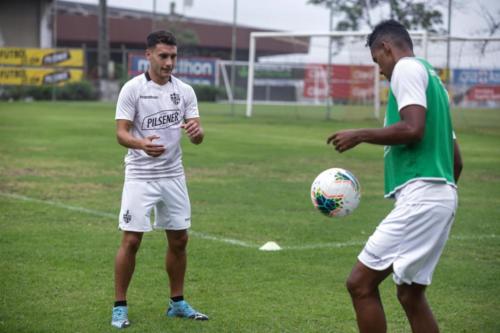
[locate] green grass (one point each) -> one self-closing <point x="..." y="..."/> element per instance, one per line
<point x="249" y="182"/>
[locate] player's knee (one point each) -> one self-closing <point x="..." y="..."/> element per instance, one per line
<point x="409" y="297"/>
<point x="131" y="242"/>
<point x="403" y="297"/>
<point x="132" y="246"/>
<point x="178" y="244"/>
<point x="356" y="288"/>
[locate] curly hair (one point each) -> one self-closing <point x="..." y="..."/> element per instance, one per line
<point x="392" y="30"/>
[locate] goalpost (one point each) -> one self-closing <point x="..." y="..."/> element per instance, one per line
<point x="348" y="78"/>
<point x="469" y="66"/>
<point x="321" y="72"/>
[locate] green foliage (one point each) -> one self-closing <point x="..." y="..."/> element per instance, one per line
<point x="354" y="14"/>
<point x="23" y="92"/>
<point x="121" y="72"/>
<point x="75" y="91"/>
<point x="249" y="181"/>
<point x="185" y="35"/>
<point x="206" y="93"/>
<point x="415" y="15"/>
<point x="78" y="91"/>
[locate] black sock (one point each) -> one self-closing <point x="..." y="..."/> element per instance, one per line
<point x="120" y="303"/>
<point x="177" y="298"/>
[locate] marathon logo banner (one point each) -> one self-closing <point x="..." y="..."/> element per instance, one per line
<point x="15" y="76"/>
<point x="32" y="57"/>
<point x="192" y="70"/>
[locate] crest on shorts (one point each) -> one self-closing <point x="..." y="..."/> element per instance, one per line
<point x="176" y="98"/>
<point x="127" y="217"/>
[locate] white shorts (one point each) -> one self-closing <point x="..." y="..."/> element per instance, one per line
<point x="169" y="198"/>
<point x="412" y="237"/>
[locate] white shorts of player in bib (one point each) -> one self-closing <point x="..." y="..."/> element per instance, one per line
<point x="412" y="237"/>
<point x="167" y="196"/>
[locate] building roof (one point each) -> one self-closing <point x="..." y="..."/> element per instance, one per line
<point x="78" y="23"/>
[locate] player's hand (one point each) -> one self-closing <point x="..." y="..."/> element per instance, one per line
<point x="193" y="130"/>
<point x="152" y="149"/>
<point x="344" y="140"/>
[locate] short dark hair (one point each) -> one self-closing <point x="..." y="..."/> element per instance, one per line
<point x="394" y="31"/>
<point x="160" y="37"/>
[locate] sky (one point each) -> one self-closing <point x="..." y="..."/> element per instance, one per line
<point x="295" y="15"/>
<point x="298" y="15"/>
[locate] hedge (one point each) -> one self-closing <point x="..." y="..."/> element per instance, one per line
<point x="83" y="90"/>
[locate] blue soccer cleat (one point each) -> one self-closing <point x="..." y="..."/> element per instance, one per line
<point x="183" y="310"/>
<point x="120" y="317"/>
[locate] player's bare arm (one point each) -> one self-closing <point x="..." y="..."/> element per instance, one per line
<point x="129" y="141"/>
<point x="194" y="130"/>
<point x="409" y="129"/>
<point x="457" y="161"/>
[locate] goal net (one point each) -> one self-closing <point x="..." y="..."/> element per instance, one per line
<point x="334" y="71"/>
<point x="470" y="69"/>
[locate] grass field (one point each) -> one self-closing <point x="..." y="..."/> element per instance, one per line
<point x="61" y="173"/>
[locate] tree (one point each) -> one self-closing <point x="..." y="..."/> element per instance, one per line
<point x="177" y="25"/>
<point x="493" y="24"/>
<point x="355" y="13"/>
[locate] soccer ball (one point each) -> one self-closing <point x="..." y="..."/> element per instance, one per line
<point x="335" y="192"/>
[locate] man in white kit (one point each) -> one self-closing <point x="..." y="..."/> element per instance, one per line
<point x="152" y="111"/>
<point x="422" y="165"/>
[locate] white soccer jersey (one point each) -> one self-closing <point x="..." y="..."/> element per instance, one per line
<point x="156" y="110"/>
<point x="409" y="82"/>
<point x="412" y="89"/>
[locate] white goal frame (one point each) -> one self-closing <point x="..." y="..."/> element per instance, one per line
<point x="272" y="34"/>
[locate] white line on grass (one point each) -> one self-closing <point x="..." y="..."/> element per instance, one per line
<point x="222" y="239"/>
<point x="115" y="216"/>
<point x="58" y="204"/>
<point x="361" y="243"/>
<point x="324" y="245"/>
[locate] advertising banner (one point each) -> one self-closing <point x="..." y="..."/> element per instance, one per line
<point x="316" y="81"/>
<point x="191" y="70"/>
<point x="137" y="64"/>
<point x="38" y="76"/>
<point x="484" y="93"/>
<point x="32" y="57"/>
<point x="348" y="83"/>
<point x="470" y="77"/>
<point x="271" y="74"/>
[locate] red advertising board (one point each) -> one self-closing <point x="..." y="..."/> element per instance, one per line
<point x="482" y="93"/>
<point x="315" y="81"/>
<point x="348" y="83"/>
<point x="362" y="91"/>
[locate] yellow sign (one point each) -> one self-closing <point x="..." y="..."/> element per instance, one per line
<point x="41" y="57"/>
<point x="38" y="76"/>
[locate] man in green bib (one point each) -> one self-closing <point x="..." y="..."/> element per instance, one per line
<point x="422" y="165"/>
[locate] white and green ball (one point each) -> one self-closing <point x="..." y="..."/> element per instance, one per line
<point x="335" y="192"/>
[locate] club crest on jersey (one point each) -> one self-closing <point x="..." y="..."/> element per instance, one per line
<point x="176" y="98"/>
<point x="162" y="119"/>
